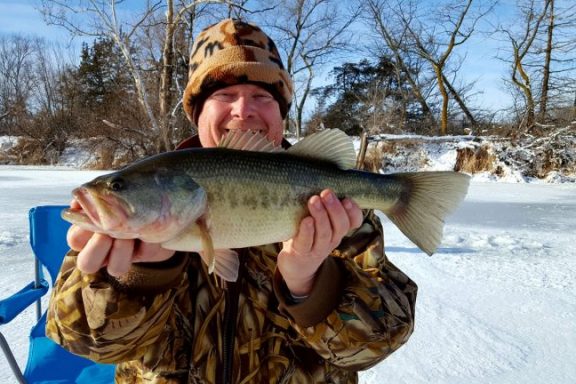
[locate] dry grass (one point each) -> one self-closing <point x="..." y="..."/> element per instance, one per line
<point x="476" y="160"/>
<point x="30" y="151"/>
<point x="373" y="159"/>
<point x="104" y="158"/>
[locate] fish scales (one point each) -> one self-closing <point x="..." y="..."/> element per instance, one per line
<point x="256" y="198"/>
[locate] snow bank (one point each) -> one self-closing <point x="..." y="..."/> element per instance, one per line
<point x="528" y="159"/>
<point x="550" y="159"/>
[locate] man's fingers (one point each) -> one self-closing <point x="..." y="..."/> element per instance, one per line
<point x="304" y="239"/>
<point x="355" y="214"/>
<point x="78" y="237"/>
<point x="322" y="226"/>
<point x="93" y="256"/>
<point x="120" y="257"/>
<point x="338" y="216"/>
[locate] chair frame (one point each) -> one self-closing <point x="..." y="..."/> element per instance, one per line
<point x="11" y="360"/>
<point x="39" y="284"/>
<point x="34" y="291"/>
<point x="38" y="280"/>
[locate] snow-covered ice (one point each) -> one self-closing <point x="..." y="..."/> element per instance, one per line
<point x="496" y="303"/>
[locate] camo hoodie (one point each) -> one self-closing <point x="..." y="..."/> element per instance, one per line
<point x="172" y="322"/>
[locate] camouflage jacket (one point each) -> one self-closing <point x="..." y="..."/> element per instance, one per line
<point x="172" y="322"/>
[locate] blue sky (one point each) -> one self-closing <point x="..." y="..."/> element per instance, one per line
<point x="23" y="17"/>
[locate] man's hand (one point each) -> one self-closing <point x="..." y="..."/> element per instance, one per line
<point x="117" y="255"/>
<point x="329" y="221"/>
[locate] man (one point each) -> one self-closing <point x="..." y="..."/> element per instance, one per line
<point x="316" y="308"/>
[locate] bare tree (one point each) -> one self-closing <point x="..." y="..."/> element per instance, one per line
<point x="174" y="21"/>
<point x="309" y="32"/>
<point x="547" y="61"/>
<point x="102" y="18"/>
<point x="407" y="30"/>
<point x="521" y="47"/>
<point x="32" y="98"/>
<point x="167" y="74"/>
<point x="377" y="109"/>
<point x="16" y="80"/>
<point x="559" y="59"/>
<point x="394" y="35"/>
<point x="458" y="23"/>
<point x="543" y="64"/>
<point x="458" y="96"/>
<point x="50" y="65"/>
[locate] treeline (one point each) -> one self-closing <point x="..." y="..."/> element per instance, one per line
<point x="124" y="90"/>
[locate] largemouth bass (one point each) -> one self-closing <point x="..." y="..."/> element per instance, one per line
<point x="249" y="193"/>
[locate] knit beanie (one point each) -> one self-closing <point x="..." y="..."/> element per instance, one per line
<point x="234" y="52"/>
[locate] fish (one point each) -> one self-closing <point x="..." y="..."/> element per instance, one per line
<point x="247" y="192"/>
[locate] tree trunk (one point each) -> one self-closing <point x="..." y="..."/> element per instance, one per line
<point x="302" y="102"/>
<point x="574" y="107"/>
<point x="546" y="69"/>
<point x="445" y="99"/>
<point x="362" y="153"/>
<point x="520" y="49"/>
<point x="460" y="102"/>
<point x="166" y="75"/>
<point x="526" y="88"/>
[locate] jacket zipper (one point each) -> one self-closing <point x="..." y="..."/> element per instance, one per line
<point x="230" y="317"/>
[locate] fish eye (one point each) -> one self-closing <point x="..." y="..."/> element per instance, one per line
<point x="117" y="184"/>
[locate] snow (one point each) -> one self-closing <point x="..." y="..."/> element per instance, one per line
<point x="496" y="303"/>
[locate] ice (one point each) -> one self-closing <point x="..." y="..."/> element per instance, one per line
<point x="496" y="303"/>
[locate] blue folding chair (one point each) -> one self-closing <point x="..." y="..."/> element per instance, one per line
<point x="47" y="361"/>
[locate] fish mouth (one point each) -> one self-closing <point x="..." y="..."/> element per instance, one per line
<point x="79" y="217"/>
<point x="103" y="211"/>
<point x="84" y="198"/>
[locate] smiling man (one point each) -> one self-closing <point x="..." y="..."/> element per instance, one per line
<point x="245" y="107"/>
<point x="316" y="308"/>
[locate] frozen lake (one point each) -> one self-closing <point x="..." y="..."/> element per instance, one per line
<point x="497" y="303"/>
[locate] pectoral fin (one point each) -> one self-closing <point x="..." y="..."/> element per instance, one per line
<point x="208" y="254"/>
<point x="226" y="263"/>
<point x="223" y="262"/>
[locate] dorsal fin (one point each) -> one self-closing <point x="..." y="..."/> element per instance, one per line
<point x="331" y="145"/>
<point x="248" y="141"/>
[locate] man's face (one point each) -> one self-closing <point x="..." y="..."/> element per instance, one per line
<point x="242" y="106"/>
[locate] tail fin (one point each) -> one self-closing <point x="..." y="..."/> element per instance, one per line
<point x="430" y="197"/>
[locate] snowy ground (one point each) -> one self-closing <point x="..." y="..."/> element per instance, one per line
<point x="497" y="303"/>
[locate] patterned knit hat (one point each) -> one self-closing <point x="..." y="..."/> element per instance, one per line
<point x="234" y="52"/>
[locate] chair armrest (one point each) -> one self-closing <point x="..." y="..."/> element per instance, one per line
<point x="13" y="305"/>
